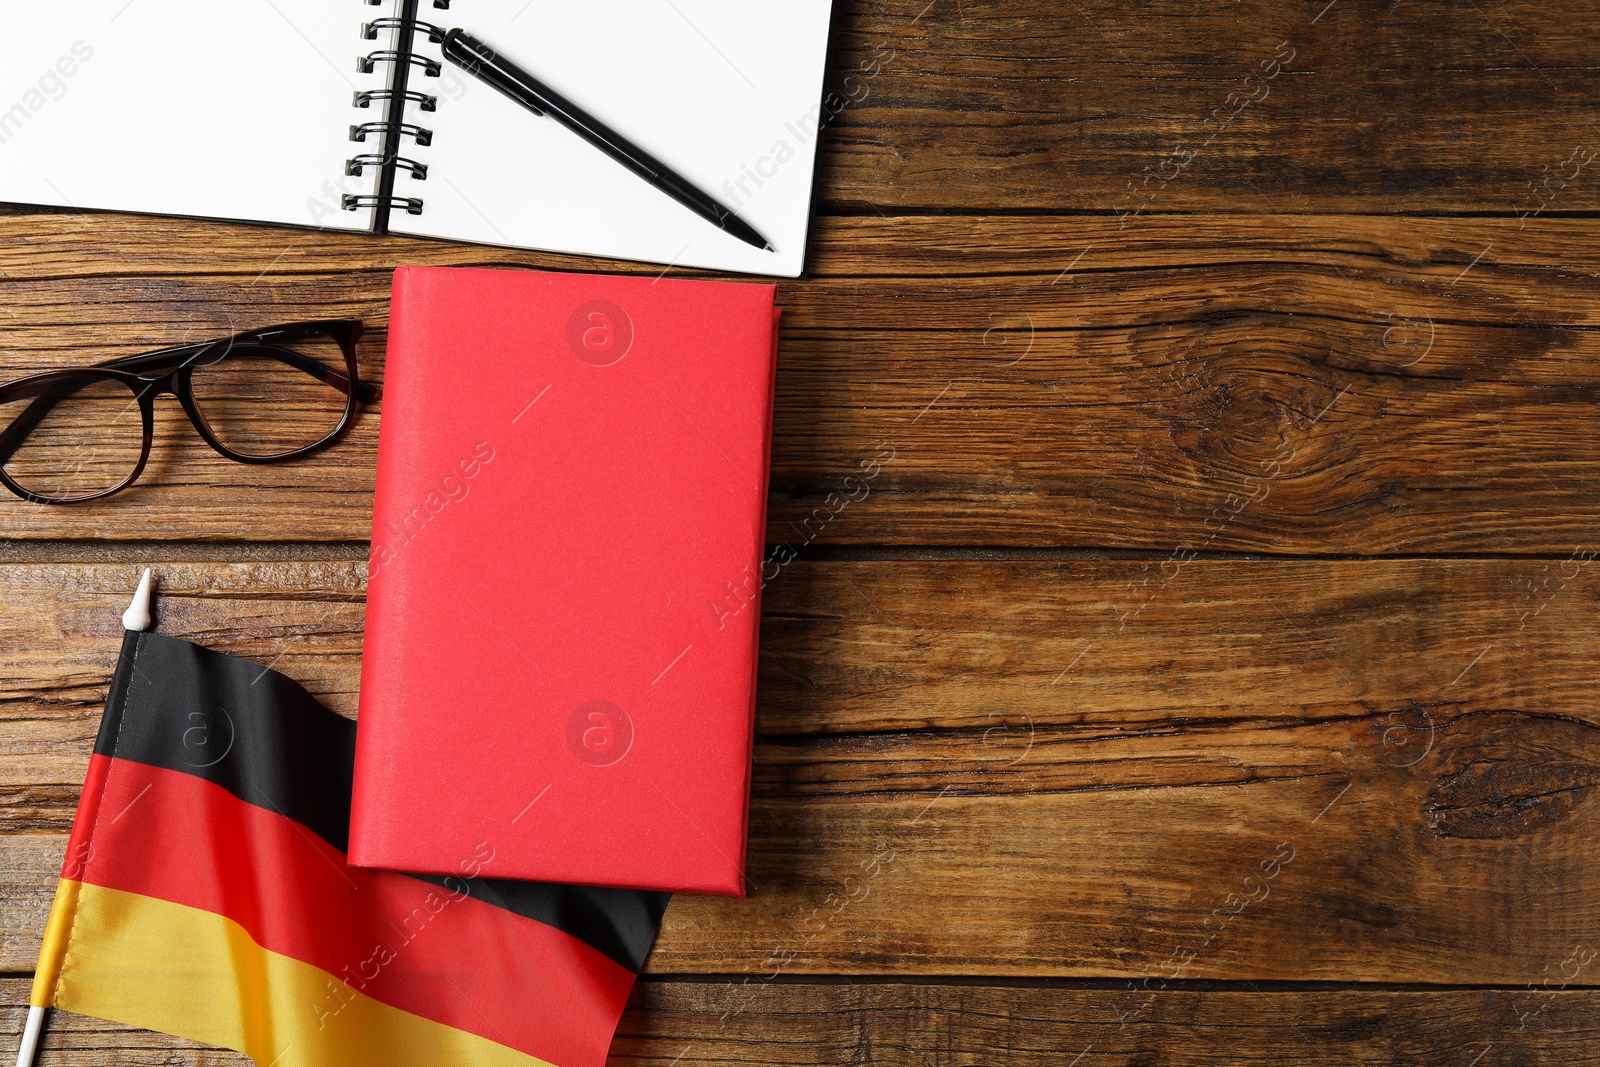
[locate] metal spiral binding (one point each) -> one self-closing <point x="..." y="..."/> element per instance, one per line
<point x="422" y="136"/>
<point x="369" y="30"/>
<point x="423" y="101"/>
<point x="356" y="164"/>
<point x="412" y="205"/>
<point x="369" y="62"/>
<point x="390" y="129"/>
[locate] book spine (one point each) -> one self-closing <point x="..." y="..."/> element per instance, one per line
<point x="382" y="648"/>
<point x="390" y="131"/>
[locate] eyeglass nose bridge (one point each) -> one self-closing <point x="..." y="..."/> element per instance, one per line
<point x="175" y="383"/>
<point x="157" y="384"/>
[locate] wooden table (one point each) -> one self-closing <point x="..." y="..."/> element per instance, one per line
<point x="1208" y="675"/>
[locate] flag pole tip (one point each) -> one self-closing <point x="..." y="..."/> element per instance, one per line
<point x="137" y="617"/>
<point x="30" y="1036"/>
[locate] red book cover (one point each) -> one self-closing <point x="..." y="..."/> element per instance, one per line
<point x="562" y="609"/>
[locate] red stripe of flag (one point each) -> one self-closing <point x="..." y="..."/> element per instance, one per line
<point x="400" y="940"/>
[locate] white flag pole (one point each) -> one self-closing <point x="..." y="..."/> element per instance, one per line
<point x="136" y="618"/>
<point x="30" y="1037"/>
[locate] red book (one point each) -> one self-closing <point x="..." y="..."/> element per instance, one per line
<point x="565" y="575"/>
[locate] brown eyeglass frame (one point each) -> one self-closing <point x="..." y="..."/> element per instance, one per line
<point x="173" y="369"/>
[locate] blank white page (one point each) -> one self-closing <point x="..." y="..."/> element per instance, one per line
<point x="239" y="109"/>
<point x="726" y="92"/>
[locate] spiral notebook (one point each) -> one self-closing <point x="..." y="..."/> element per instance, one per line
<point x="340" y="114"/>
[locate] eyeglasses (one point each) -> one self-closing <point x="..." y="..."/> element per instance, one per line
<point x="262" y="396"/>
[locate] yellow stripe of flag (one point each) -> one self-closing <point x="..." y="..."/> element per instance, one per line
<point x="191" y="973"/>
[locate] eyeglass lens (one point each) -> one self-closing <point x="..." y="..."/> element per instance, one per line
<point x="265" y="400"/>
<point x="87" y="437"/>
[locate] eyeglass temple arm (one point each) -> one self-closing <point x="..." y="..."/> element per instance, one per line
<point x="153" y="360"/>
<point x="365" y="391"/>
<point x="29" y="418"/>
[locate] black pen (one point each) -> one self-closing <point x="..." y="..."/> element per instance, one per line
<point x="485" y="64"/>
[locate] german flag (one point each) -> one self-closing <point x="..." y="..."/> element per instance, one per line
<point x="206" y="894"/>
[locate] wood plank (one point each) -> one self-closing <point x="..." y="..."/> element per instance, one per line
<point x="1299" y="385"/>
<point x="1368" y="734"/>
<point x="710" y="1024"/>
<point x="877" y="647"/>
<point x="1252" y="106"/>
<point x="1416" y="266"/>
<point x="1477" y="869"/>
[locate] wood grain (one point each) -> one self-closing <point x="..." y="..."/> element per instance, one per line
<point x="1296" y="853"/>
<point x="1119" y="291"/>
<point x="1295" y="385"/>
<point x="877" y="647"/>
<point x="1277" y="770"/>
<point x="714" y="1023"/>
<point x="1253" y="106"/>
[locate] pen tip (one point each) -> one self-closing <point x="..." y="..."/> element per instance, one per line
<point x="768" y="248"/>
